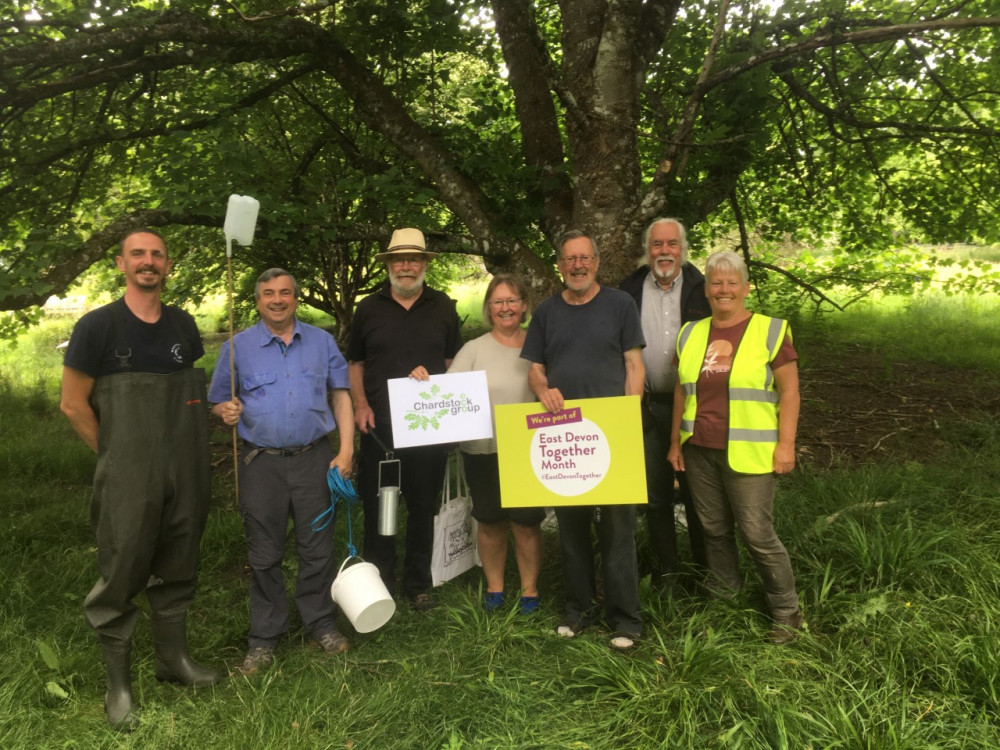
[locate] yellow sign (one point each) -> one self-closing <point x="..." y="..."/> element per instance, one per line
<point x="588" y="454"/>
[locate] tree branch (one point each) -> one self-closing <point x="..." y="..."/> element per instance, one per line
<point x="798" y="282"/>
<point x="865" y="36"/>
<point x="654" y="200"/>
<point x="58" y="277"/>
<point x="528" y="63"/>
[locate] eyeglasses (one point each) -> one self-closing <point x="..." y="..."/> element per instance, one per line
<point x="498" y="303"/>
<point x="413" y="260"/>
<point x="583" y="260"/>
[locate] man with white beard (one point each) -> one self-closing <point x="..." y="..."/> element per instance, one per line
<point x="403" y="327"/>
<point x="669" y="292"/>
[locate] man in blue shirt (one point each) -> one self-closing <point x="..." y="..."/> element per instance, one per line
<point x="284" y="371"/>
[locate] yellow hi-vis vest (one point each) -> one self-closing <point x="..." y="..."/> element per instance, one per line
<point x="753" y="399"/>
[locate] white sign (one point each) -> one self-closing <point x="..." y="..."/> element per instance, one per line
<point x="571" y="459"/>
<point x="444" y="409"/>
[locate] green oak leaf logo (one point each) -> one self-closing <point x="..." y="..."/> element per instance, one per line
<point x="428" y="420"/>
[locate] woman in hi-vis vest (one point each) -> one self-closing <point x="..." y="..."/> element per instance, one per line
<point x="736" y="409"/>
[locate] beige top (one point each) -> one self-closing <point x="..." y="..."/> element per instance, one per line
<point x="506" y="378"/>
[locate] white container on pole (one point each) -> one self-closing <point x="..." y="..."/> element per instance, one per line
<point x="241" y="219"/>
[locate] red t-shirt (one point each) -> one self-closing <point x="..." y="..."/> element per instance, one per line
<point x="712" y="419"/>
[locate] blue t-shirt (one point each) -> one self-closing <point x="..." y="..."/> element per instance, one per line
<point x="284" y="389"/>
<point x="583" y="346"/>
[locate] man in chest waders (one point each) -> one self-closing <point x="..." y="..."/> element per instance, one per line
<point x="130" y="391"/>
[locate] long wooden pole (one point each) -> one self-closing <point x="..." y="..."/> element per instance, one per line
<point x="232" y="368"/>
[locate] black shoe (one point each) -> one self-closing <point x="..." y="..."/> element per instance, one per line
<point x="422" y="603"/>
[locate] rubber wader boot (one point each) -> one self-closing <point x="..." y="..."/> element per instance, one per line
<point x="173" y="662"/>
<point x="118" y="703"/>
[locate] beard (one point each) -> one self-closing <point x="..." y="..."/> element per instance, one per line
<point x="670" y="275"/>
<point x="406" y="291"/>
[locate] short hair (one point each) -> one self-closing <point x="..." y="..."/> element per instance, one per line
<point x="727" y="260"/>
<point x="138" y="230"/>
<point x="574" y="234"/>
<point x="516" y="283"/>
<point x="681" y="231"/>
<point x="273" y="273"/>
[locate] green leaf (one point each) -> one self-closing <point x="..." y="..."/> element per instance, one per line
<point x="48" y="654"/>
<point x="56" y="690"/>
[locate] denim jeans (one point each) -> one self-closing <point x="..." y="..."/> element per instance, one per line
<point x="726" y="501"/>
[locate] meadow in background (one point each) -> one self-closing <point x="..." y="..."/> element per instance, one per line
<point x="896" y="563"/>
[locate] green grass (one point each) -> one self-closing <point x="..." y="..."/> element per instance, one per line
<point x="953" y="331"/>
<point x="897" y="569"/>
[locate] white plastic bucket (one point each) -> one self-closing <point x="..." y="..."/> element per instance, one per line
<point x="361" y="594"/>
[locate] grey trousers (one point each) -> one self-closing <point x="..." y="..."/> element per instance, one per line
<point x="272" y="490"/>
<point x="727" y="501"/>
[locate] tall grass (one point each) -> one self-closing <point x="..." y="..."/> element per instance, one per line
<point x="896" y="565"/>
<point x="952" y="331"/>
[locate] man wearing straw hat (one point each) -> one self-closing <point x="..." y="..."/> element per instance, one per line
<point x="403" y="326"/>
<point x="131" y="392"/>
<point x="287" y="375"/>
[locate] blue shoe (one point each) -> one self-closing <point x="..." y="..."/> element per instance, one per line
<point x="529" y="605"/>
<point x="492" y="600"/>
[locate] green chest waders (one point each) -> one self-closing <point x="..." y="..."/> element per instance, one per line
<point x="151" y="494"/>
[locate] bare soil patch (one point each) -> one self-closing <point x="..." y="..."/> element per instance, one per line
<point x="861" y="406"/>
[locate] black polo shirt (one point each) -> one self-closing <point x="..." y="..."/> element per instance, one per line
<point x="392" y="340"/>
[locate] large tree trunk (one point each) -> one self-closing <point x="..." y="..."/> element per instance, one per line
<point x="599" y="71"/>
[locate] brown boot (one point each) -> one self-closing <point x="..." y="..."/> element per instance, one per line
<point x="786" y="629"/>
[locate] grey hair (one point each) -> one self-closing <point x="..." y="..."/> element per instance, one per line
<point x="681" y="231"/>
<point x="575" y="234"/>
<point x="273" y="273"/>
<point x="727" y="260"/>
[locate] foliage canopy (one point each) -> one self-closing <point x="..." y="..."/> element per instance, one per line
<point x="494" y="126"/>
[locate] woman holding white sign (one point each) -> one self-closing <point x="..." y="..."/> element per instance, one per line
<point x="499" y="354"/>
<point x="736" y="411"/>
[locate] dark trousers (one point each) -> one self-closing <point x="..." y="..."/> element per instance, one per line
<point x="152" y="488"/>
<point x="616" y="543"/>
<point x="656" y="415"/>
<point x="422" y="476"/>
<point x="273" y="489"/>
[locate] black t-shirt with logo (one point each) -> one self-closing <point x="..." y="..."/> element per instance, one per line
<point x="170" y="344"/>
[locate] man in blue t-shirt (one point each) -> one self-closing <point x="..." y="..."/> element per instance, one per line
<point x="131" y="393"/>
<point x="287" y="376"/>
<point x="586" y="342"/>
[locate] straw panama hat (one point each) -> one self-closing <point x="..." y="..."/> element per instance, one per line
<point x="406" y="242"/>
